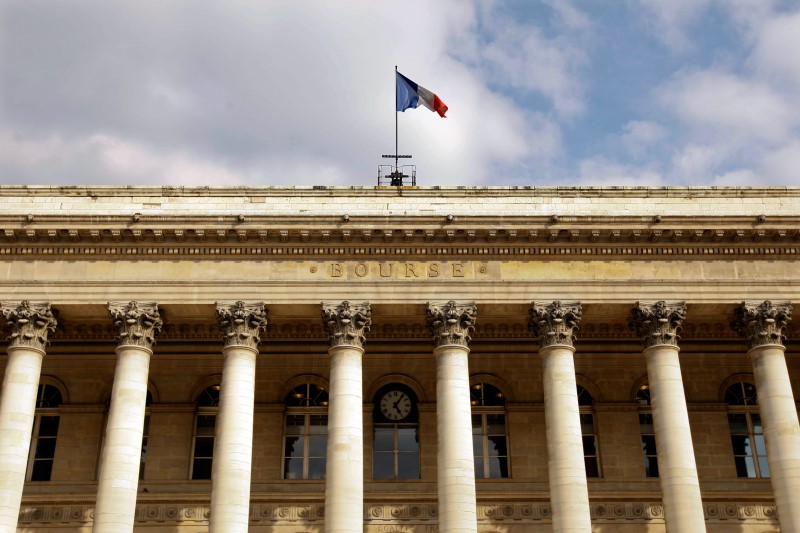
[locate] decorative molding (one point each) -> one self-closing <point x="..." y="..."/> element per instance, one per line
<point x="302" y="512"/>
<point x="555" y="323"/>
<point x="658" y="323"/>
<point x="347" y="324"/>
<point x="28" y="324"/>
<point x="762" y="323"/>
<point x="242" y="324"/>
<point x="451" y="323"/>
<point x="137" y="324"/>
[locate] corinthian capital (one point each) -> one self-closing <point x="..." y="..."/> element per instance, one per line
<point x="347" y="324"/>
<point x="762" y="323"/>
<point x="138" y="323"/>
<point x="29" y="324"/>
<point x="555" y="323"/>
<point x="452" y="322"/>
<point x="242" y="323"/>
<point x="658" y="323"/>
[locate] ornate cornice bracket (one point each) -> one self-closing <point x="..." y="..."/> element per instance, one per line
<point x="242" y="324"/>
<point x="762" y="323"/>
<point x="137" y="323"/>
<point x="555" y="323"/>
<point x="347" y="324"/>
<point x="452" y="323"/>
<point x="29" y="324"/>
<point x="658" y="323"/>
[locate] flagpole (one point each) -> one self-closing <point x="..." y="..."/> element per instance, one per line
<point x="396" y="150"/>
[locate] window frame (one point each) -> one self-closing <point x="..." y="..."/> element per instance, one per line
<point x="586" y="409"/>
<point x="39" y="414"/>
<point x="206" y="405"/>
<point x="747" y="406"/>
<point x="311" y="400"/>
<point x="649" y="460"/>
<point x="482" y="407"/>
<point x="411" y="421"/>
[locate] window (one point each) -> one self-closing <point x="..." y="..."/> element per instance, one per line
<point x="747" y="433"/>
<point x="647" y="432"/>
<point x="145" y="433"/>
<point x="489" y="438"/>
<point x="203" y="442"/>
<point x="395" y="423"/>
<point x="45" y="433"/>
<point x="586" y="407"/>
<point x="305" y="443"/>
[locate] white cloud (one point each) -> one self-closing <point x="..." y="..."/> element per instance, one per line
<point x="601" y="171"/>
<point x="783" y="165"/>
<point x="776" y="56"/>
<point x="638" y="136"/>
<point x="672" y="19"/>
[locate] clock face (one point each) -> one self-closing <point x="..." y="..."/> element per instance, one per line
<point x="395" y="405"/>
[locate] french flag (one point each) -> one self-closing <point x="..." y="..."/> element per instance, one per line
<point x="411" y="95"/>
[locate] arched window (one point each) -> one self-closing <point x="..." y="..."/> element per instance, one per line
<point x="647" y="432"/>
<point x="305" y="442"/>
<point x="205" y="422"/>
<point x="489" y="437"/>
<point x="586" y="407"/>
<point x="395" y="423"/>
<point x="747" y="433"/>
<point x="45" y="433"/>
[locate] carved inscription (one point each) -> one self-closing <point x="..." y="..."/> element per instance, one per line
<point x="407" y="270"/>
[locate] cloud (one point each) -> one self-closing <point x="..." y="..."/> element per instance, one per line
<point x="775" y="56"/>
<point x="672" y="19"/>
<point x="599" y="171"/>
<point x="783" y="165"/>
<point x="638" y="136"/>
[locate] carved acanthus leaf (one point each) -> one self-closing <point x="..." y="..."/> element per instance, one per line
<point x="762" y="323"/>
<point x="137" y="323"/>
<point x="555" y="323"/>
<point x="452" y="322"/>
<point x="29" y="323"/>
<point x="658" y="322"/>
<point x="347" y="324"/>
<point x="242" y="323"/>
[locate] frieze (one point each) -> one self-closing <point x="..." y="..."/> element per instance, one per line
<point x="417" y="512"/>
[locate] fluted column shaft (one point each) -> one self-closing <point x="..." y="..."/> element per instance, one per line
<point x="762" y="324"/>
<point x="18" y="401"/>
<point x="347" y="326"/>
<point x="242" y="325"/>
<point x="451" y="325"/>
<point x="658" y="324"/>
<point x="680" y="486"/>
<point x="122" y="446"/>
<point x="554" y="324"/>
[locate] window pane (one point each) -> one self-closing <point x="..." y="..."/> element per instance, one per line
<point x="201" y="469"/>
<point x="479" y="467"/>
<point x="763" y="466"/>
<point x="761" y="448"/>
<point x="589" y="446"/>
<point x="316" y="468"/>
<point x="498" y="467"/>
<point x="756" y="419"/>
<point x="294" y="447"/>
<point x="317" y="445"/>
<point x="293" y="468"/>
<point x="591" y="467"/>
<point x="383" y="465"/>
<point x="45" y="448"/>
<point x="738" y="423"/>
<point x="587" y="424"/>
<point x="477" y="425"/>
<point x="651" y="466"/>
<point x="477" y="445"/>
<point x="497" y="446"/>
<point x="649" y="444"/>
<point x="41" y="470"/>
<point x="408" y="465"/>
<point x="741" y="445"/>
<point x="745" y="467"/>
<point x="318" y="424"/>
<point x="205" y="425"/>
<point x="295" y="424"/>
<point x="384" y="439"/>
<point x="407" y="439"/>
<point x="204" y="447"/>
<point x="496" y="424"/>
<point x="48" y="427"/>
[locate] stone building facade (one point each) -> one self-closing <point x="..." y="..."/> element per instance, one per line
<point x="392" y="359"/>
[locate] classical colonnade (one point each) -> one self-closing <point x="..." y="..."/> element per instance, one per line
<point x="554" y="324"/>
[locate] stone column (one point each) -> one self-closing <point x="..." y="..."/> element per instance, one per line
<point x="242" y="325"/>
<point x="658" y="324"/>
<point x="29" y="325"/>
<point x="138" y="324"/>
<point x="347" y="325"/>
<point x="555" y="323"/>
<point x="451" y="325"/>
<point x="762" y="325"/>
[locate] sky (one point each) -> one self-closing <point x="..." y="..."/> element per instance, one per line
<point x="301" y="92"/>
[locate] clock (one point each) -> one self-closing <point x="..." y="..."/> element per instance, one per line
<point x="395" y="404"/>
